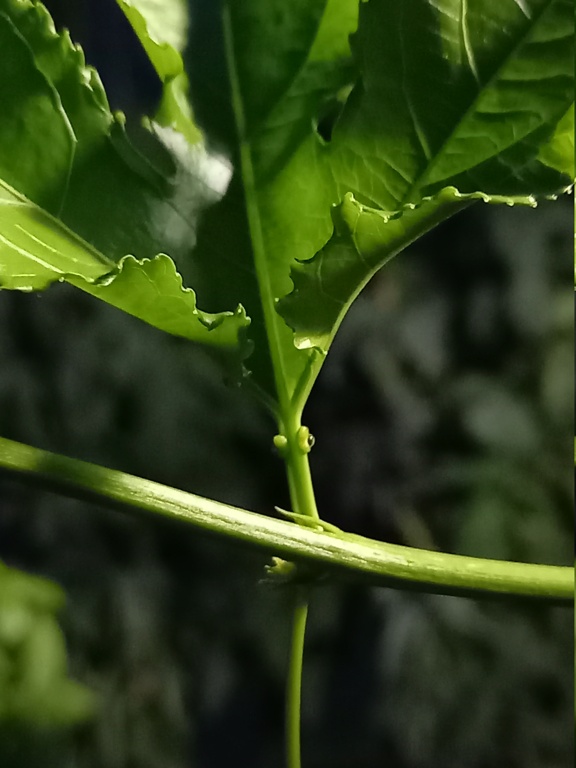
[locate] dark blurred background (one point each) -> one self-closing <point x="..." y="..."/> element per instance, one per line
<point x="443" y="419"/>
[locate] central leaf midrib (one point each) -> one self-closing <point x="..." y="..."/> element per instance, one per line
<point x="271" y="318"/>
<point x="421" y="179"/>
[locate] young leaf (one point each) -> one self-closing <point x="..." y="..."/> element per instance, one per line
<point x="75" y="196"/>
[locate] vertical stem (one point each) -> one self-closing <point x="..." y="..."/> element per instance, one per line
<point x="296" y="454"/>
<point x="294" y="683"/>
<point x="298" y="470"/>
<point x="303" y="503"/>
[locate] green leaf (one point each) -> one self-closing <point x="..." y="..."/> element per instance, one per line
<point x="34" y="687"/>
<point x="261" y="75"/>
<point x="423" y="96"/>
<point x="152" y="290"/>
<point x="479" y="120"/>
<point x="434" y="96"/>
<point x="364" y="239"/>
<point x="76" y="197"/>
<point x="459" y="80"/>
<point x="162" y="28"/>
<point x="36" y="250"/>
<point x="80" y="166"/>
<point x="558" y="153"/>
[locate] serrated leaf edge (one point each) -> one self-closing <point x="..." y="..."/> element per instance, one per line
<point x="450" y="193"/>
<point x="209" y="320"/>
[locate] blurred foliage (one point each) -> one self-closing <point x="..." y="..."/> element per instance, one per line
<point x="34" y="687"/>
<point x="443" y="418"/>
<point x="37" y="699"/>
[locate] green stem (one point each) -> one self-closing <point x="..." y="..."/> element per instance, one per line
<point x="298" y="472"/>
<point x="377" y="562"/>
<point x="298" y="469"/>
<point x="303" y="503"/>
<point x="294" y="683"/>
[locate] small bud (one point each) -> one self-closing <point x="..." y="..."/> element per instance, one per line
<point x="305" y="440"/>
<point x="280" y="444"/>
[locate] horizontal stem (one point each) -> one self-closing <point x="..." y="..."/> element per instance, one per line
<point x="380" y="563"/>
